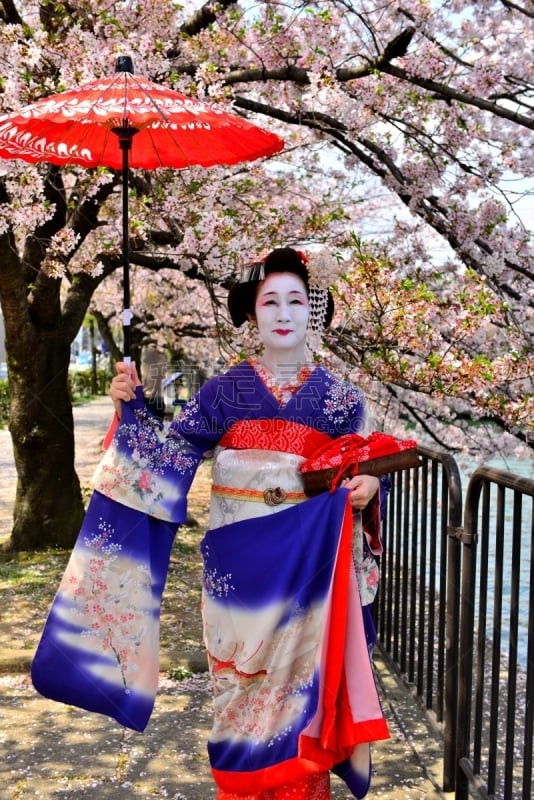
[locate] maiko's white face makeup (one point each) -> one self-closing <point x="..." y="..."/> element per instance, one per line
<point x="282" y="311"/>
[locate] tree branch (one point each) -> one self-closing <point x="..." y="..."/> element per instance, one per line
<point x="516" y="7"/>
<point x="157" y="263"/>
<point x="413" y="414"/>
<point x="380" y="164"/>
<point x="201" y="19"/>
<point x="448" y="93"/>
<point x="9" y="13"/>
<point x="80" y="292"/>
<point x="84" y="217"/>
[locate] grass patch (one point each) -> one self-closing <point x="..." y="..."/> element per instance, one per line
<point x="179" y="674"/>
<point x="29" y="582"/>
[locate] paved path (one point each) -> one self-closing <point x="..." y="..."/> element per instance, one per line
<point x="8" y="482"/>
<point x="91" y="421"/>
<point x="55" y="752"/>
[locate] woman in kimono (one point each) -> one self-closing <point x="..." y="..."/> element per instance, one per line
<point x="288" y="580"/>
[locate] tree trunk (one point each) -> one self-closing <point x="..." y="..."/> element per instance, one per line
<point x="48" y="506"/>
<point x="42" y="314"/>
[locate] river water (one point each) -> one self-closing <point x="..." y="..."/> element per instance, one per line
<point x="521" y="571"/>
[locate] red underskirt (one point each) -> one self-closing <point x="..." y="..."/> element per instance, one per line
<point x="311" y="787"/>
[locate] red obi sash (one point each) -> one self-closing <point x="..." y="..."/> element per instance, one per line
<point x="274" y="434"/>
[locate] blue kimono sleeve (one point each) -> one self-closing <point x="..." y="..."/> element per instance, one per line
<point x="145" y="469"/>
<point x="99" y="649"/>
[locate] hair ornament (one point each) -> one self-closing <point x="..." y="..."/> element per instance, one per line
<point x="323" y="268"/>
<point x="255" y="271"/>
<point x="323" y="271"/>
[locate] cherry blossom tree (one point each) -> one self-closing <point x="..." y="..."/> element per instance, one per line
<point x="408" y="130"/>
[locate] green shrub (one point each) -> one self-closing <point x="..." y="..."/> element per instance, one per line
<point x="80" y="388"/>
<point x="81" y="384"/>
<point x="4" y="404"/>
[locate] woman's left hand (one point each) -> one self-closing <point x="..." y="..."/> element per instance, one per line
<point x="364" y="488"/>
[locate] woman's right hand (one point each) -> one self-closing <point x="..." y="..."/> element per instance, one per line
<point x="123" y="384"/>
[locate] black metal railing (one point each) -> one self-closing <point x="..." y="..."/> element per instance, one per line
<point x="496" y="689"/>
<point x="418" y="598"/>
<point x="454" y="618"/>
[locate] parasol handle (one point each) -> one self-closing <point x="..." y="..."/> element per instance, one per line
<point x="125" y="134"/>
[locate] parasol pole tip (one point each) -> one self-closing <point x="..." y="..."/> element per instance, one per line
<point x="124" y="64"/>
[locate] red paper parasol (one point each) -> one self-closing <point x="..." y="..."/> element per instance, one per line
<point x="124" y="122"/>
